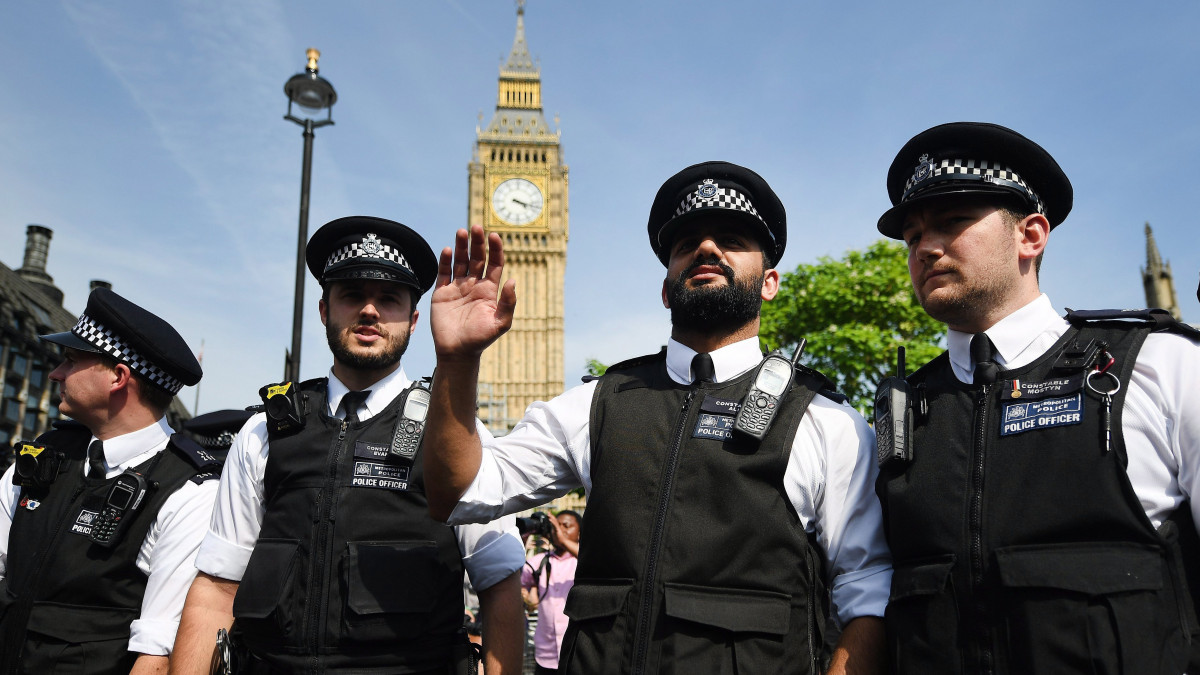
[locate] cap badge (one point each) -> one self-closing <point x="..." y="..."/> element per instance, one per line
<point x="924" y="169"/>
<point x="371" y="244"/>
<point x="707" y="190"/>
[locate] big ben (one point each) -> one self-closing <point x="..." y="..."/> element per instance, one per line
<point x="518" y="188"/>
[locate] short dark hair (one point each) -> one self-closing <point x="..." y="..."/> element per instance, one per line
<point x="1015" y="214"/>
<point x="574" y="514"/>
<point x="151" y="394"/>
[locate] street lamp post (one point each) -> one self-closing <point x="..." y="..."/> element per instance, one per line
<point x="311" y="93"/>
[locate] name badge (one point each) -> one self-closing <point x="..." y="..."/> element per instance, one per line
<point x="365" y="450"/>
<point x="382" y="476"/>
<point x="1054" y="412"/>
<point x="1025" y="390"/>
<point x="720" y="406"/>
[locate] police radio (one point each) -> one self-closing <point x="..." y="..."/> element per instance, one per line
<point x="124" y="499"/>
<point x="771" y="381"/>
<point x="284" y="407"/>
<point x="37" y="465"/>
<point x="894" y="416"/>
<point x="410" y="426"/>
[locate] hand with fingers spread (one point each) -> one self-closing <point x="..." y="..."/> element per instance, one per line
<point x="468" y="309"/>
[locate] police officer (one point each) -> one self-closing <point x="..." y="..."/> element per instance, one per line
<point x="100" y="518"/>
<point x="694" y="557"/>
<point x="1039" y="523"/>
<point x="321" y="545"/>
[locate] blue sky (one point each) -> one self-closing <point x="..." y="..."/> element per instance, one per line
<point x="149" y="136"/>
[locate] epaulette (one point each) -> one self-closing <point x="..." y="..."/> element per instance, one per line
<point x="207" y="463"/>
<point x="630" y="363"/>
<point x="1159" y="319"/>
<point x="826" y="386"/>
<point x="67" y="425"/>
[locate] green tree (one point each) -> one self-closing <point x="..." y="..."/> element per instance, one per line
<point x="595" y="368"/>
<point x="854" y="312"/>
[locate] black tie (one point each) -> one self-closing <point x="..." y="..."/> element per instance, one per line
<point x="352" y="401"/>
<point x="702" y="368"/>
<point x="983" y="354"/>
<point x="96" y="460"/>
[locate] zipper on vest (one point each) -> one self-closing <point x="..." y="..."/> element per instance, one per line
<point x="322" y="553"/>
<point x="979" y="609"/>
<point x="642" y="627"/>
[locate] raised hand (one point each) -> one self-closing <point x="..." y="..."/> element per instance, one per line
<point x="468" y="309"/>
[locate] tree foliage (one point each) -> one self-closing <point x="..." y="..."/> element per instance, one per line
<point x="854" y="312"/>
<point x="595" y="368"/>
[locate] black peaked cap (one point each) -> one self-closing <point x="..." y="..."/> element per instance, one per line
<point x="717" y="189"/>
<point x="150" y="347"/>
<point x="974" y="158"/>
<point x="365" y="247"/>
<point x="216" y="429"/>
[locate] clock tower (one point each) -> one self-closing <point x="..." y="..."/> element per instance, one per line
<point x="517" y="187"/>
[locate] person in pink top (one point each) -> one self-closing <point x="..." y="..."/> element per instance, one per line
<point x="545" y="581"/>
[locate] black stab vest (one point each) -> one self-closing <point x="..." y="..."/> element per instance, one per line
<point x="693" y="558"/>
<point x="1018" y="543"/>
<point x="348" y="576"/>
<point x="66" y="604"/>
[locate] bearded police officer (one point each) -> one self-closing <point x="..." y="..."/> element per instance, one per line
<point x="321" y="544"/>
<point x="1043" y="519"/>
<point x="100" y="518"/>
<point x="694" y="557"/>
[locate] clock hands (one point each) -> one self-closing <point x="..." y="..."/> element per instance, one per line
<point x="519" y="202"/>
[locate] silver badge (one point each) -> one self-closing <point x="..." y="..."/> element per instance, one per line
<point x="371" y="244"/>
<point x="924" y="169"/>
<point x="707" y="190"/>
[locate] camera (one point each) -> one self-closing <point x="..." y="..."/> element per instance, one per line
<point x="537" y="523"/>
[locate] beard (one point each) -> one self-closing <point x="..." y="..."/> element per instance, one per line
<point x="341" y="338"/>
<point x="710" y="308"/>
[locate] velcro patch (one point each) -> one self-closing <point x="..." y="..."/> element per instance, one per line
<point x="365" y="450"/>
<point x="377" y="475"/>
<point x="1059" y="386"/>
<point x="714" y="427"/>
<point x="1054" y="412"/>
<point x="84" y="521"/>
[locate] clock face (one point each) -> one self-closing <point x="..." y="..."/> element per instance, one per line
<point x="517" y="201"/>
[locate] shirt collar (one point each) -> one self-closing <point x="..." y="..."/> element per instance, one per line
<point x="120" y="449"/>
<point x="1013" y="336"/>
<point x="728" y="361"/>
<point x="382" y="393"/>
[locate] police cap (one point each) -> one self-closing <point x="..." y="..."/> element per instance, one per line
<point x="364" y="247"/>
<point x="215" y="430"/>
<point x="974" y="158"/>
<point x="124" y="331"/>
<point x="722" y="189"/>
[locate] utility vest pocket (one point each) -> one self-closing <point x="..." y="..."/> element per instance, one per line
<point x="392" y="588"/>
<point x="721" y="630"/>
<point x="598" y="633"/>
<point x="65" y="638"/>
<point x="922" y="618"/>
<point x="264" y="604"/>
<point x="1089" y="608"/>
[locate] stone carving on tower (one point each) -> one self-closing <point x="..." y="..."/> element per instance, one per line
<point x="517" y="187"/>
<point x="1156" y="277"/>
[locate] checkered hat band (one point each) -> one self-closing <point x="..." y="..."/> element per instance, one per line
<point x="108" y="342"/>
<point x="970" y="170"/>
<point x="725" y="198"/>
<point x="224" y="440"/>
<point x="355" y="250"/>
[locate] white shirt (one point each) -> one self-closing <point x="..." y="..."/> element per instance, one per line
<point x="167" y="554"/>
<point x="830" y="475"/>
<point x="490" y="552"/>
<point x="1161" y="418"/>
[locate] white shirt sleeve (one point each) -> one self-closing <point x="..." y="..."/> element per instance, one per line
<point x="830" y="480"/>
<point x="545" y="456"/>
<point x="168" y="557"/>
<point x="491" y="552"/>
<point x="9" y="494"/>
<point x="238" y="512"/>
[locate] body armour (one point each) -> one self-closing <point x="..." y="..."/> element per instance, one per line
<point x="694" y="559"/>
<point x="1018" y="543"/>
<point x="66" y="603"/>
<point x="349" y="574"/>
